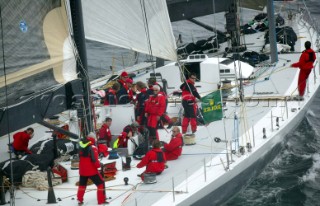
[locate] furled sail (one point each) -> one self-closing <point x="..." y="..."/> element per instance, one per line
<point x="185" y="9"/>
<point x="38" y="53"/>
<point x="132" y="24"/>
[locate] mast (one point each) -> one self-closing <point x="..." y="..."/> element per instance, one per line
<point x="82" y="67"/>
<point x="272" y="32"/>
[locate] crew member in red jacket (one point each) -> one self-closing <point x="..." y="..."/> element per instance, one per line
<point x="125" y="94"/>
<point x="189" y="95"/>
<point x="122" y="80"/>
<point x="155" y="107"/>
<point x="105" y="132"/>
<point x="111" y="94"/>
<point x="21" y="141"/>
<point x="305" y="65"/>
<point x="88" y="169"/>
<point x="173" y="149"/>
<point x="154" y="160"/>
<point x="164" y="118"/>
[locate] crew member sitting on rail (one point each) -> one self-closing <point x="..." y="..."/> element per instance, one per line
<point x="173" y="149"/>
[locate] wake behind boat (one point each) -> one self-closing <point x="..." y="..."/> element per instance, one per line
<point x="258" y="108"/>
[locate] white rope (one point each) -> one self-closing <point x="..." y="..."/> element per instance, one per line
<point x="39" y="180"/>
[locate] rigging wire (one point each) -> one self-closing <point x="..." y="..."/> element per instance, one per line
<point x="146" y="27"/>
<point x="12" y="200"/>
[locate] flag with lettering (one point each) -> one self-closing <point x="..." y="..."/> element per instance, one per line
<point x="211" y="107"/>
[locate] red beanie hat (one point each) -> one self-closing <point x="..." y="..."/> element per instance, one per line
<point x="124" y="74"/>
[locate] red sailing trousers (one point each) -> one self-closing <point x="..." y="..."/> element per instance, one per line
<point x="302" y="80"/>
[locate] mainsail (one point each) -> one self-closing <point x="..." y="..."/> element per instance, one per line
<point x="140" y="25"/>
<point x="38" y="76"/>
<point x="37" y="48"/>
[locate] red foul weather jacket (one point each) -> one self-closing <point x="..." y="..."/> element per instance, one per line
<point x="174" y="148"/>
<point x="21" y="141"/>
<point x="186" y="94"/>
<point x="155" y="107"/>
<point x="153" y="162"/>
<point x="306" y="60"/>
<point x="105" y="134"/>
<point x="89" y="162"/>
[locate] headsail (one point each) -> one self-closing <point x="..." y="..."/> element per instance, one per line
<point x="126" y="23"/>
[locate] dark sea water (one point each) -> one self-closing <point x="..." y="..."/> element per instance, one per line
<point x="293" y="178"/>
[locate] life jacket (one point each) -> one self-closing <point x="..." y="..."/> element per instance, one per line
<point x="86" y="150"/>
<point x="186" y="94"/>
<point x="108" y="100"/>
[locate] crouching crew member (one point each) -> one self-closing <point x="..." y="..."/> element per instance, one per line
<point x="21" y="142"/>
<point x="88" y="169"/>
<point x="154" y="160"/>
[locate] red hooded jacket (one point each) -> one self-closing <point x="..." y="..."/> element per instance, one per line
<point x="306" y="60"/>
<point x="155" y="107"/>
<point x="150" y="160"/>
<point x="89" y="161"/>
<point x="21" y="141"/>
<point x="174" y="149"/>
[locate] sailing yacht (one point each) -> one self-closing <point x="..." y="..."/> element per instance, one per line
<point x="256" y="100"/>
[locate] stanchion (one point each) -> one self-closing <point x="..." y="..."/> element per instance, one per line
<point x="51" y="196"/>
<point x="2" y="193"/>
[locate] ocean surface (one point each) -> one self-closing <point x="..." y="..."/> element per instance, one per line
<point x="293" y="178"/>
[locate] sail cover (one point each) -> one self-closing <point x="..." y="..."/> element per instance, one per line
<point x="37" y="52"/>
<point x="132" y="24"/>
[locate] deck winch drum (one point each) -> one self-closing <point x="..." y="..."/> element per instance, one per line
<point x="189" y="139"/>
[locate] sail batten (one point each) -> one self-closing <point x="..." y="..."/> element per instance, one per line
<point x="122" y="23"/>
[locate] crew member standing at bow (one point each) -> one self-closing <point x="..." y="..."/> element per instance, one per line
<point x="305" y="65"/>
<point x="88" y="169"/>
<point x="155" y="107"/>
<point x="189" y="95"/>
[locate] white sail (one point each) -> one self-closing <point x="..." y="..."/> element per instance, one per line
<point x="124" y="23"/>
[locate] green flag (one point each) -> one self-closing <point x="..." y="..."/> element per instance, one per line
<point x="211" y="107"/>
